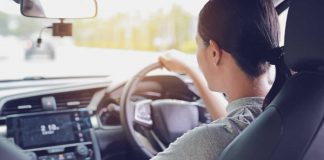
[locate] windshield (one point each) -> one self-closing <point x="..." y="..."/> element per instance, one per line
<point x="124" y="33"/>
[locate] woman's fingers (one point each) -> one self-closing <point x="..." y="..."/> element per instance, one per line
<point x="173" y="64"/>
<point x="163" y="61"/>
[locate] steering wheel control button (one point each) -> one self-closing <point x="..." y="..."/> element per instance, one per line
<point x="49" y="103"/>
<point x="143" y="113"/>
<point x="82" y="150"/>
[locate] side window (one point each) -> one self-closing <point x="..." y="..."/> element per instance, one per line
<point x="282" y="22"/>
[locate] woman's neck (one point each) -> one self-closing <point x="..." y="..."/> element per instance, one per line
<point x="242" y="86"/>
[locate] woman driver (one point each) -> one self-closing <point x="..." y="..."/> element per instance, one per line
<point x="233" y="37"/>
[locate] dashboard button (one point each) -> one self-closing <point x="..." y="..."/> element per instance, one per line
<point x="61" y="157"/>
<point x="42" y="158"/>
<point x="32" y="155"/>
<point x="69" y="156"/>
<point x="82" y="150"/>
<point x="55" y="150"/>
<point x="49" y="103"/>
<point x="53" y="157"/>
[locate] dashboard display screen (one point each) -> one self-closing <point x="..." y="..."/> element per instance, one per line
<point x="52" y="129"/>
<point x="46" y="130"/>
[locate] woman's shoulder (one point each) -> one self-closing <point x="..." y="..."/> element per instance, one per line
<point x="243" y="103"/>
<point x="243" y="112"/>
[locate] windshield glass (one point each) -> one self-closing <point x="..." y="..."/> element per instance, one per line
<point x="123" y="32"/>
<point x="125" y="36"/>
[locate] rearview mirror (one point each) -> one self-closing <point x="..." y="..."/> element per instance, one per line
<point x="62" y="9"/>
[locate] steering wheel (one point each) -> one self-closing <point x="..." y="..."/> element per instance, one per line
<point x="151" y="125"/>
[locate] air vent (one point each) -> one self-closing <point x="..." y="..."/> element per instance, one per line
<point x="24" y="105"/>
<point x="78" y="99"/>
<point x="66" y="100"/>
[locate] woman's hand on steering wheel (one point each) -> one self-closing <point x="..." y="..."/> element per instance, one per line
<point x="174" y="64"/>
<point x="215" y="102"/>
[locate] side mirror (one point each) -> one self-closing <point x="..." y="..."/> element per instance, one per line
<point x="60" y="9"/>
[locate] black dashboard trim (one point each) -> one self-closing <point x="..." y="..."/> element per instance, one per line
<point x="54" y="91"/>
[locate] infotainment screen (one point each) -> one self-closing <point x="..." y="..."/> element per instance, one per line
<point x="46" y="130"/>
<point x="50" y="130"/>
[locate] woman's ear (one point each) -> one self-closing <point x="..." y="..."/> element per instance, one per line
<point x="215" y="52"/>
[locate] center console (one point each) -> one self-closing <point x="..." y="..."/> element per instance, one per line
<point x="65" y="135"/>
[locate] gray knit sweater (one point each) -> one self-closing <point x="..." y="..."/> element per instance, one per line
<point x="207" y="142"/>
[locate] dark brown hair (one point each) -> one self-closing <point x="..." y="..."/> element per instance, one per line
<point x="247" y="29"/>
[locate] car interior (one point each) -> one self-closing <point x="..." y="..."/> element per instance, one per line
<point x="112" y="118"/>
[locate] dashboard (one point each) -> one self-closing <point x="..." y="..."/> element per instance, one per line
<point x="79" y="119"/>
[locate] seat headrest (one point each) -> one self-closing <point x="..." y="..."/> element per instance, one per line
<point x="304" y="39"/>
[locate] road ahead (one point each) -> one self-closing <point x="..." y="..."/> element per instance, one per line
<point x="71" y="61"/>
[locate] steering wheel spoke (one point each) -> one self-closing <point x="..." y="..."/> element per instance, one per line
<point x="143" y="123"/>
<point x="158" y="141"/>
<point x="143" y="113"/>
<point x="150" y="136"/>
